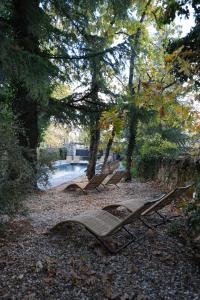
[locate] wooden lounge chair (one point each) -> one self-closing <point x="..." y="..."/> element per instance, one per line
<point x="117" y="176"/>
<point x="102" y="224"/>
<point x="169" y="198"/>
<point x="154" y="205"/>
<point x="94" y="183"/>
<point x="110" y="167"/>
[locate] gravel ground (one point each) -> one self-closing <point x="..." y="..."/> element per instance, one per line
<point x="70" y="264"/>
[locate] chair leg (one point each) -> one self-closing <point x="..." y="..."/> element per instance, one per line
<point x="160" y="215"/>
<point x="115" y="251"/>
<point x="165" y="220"/>
<point x="145" y="223"/>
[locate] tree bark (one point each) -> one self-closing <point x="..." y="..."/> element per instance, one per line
<point x="94" y="119"/>
<point x="94" y="144"/>
<point x="131" y="142"/>
<point x="108" y="147"/>
<point x="24" y="106"/>
<point x="133" y="119"/>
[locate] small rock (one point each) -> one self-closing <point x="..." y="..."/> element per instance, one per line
<point x="141" y="297"/>
<point x="39" y="266"/>
<point x="125" y="297"/>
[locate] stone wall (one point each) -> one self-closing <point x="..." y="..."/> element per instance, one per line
<point x="171" y="172"/>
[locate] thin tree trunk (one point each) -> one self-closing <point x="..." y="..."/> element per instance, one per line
<point x="26" y="111"/>
<point x="132" y="136"/>
<point x="133" y="120"/>
<point x="94" y="144"/>
<point x="94" y="119"/>
<point x="108" y="147"/>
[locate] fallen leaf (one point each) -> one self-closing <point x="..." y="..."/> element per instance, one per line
<point x="91" y="280"/>
<point x="133" y="269"/>
<point x="108" y="292"/>
<point x="107" y="277"/>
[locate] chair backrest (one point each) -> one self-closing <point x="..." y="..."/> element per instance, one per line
<point x="95" y="181"/>
<point x="113" y="166"/>
<point x="116" y="177"/>
<point x="144" y="208"/>
<point x="167" y="199"/>
<point x="102" y="159"/>
<point x="141" y="207"/>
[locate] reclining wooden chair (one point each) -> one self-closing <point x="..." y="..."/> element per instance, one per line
<point x="101" y="224"/>
<point x="154" y="205"/>
<point x="94" y="183"/>
<point x="166" y="200"/>
<point x="115" y="179"/>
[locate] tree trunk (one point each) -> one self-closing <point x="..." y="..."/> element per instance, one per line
<point x="131" y="141"/>
<point x="94" y="119"/>
<point x="94" y="144"/>
<point x="132" y="117"/>
<point x="133" y="120"/>
<point x="24" y="106"/>
<point x="26" y="111"/>
<point x="108" y="147"/>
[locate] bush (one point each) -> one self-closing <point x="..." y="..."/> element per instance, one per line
<point x="155" y="146"/>
<point x="16" y="174"/>
<point x="193" y="212"/>
<point x="134" y="172"/>
<point x="46" y="155"/>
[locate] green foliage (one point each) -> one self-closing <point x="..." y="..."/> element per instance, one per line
<point x="155" y="146"/>
<point x="175" y="228"/>
<point x="197" y="193"/>
<point x="47" y="156"/>
<point x="134" y="172"/>
<point x="158" y="139"/>
<point x="16" y="175"/>
<point x="193" y="211"/>
<point x="191" y="42"/>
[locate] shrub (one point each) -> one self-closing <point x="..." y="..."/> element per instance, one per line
<point x="193" y="212"/>
<point x="155" y="146"/>
<point x="16" y="174"/>
<point x="134" y="172"/>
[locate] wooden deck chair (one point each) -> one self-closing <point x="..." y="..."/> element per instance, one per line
<point x="113" y="166"/>
<point x="115" y="179"/>
<point x="94" y="183"/>
<point x="153" y="205"/>
<point x="169" y="198"/>
<point x="102" y="224"/>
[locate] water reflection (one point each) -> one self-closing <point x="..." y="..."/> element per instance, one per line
<point x="64" y="172"/>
